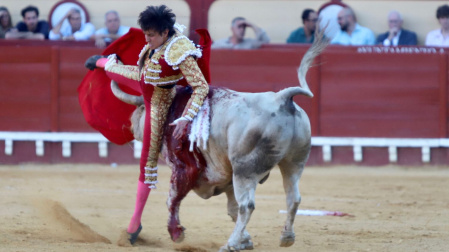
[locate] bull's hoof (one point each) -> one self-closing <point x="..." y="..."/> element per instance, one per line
<point x="287" y="239"/>
<point x="177" y="233"/>
<point x="247" y="245"/>
<point x="133" y="236"/>
<point x="223" y="249"/>
<point x="227" y="248"/>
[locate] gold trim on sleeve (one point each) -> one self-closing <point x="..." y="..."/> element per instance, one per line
<point x="130" y="72"/>
<point x="195" y="79"/>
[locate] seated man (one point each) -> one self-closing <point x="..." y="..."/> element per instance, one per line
<point x="238" y="40"/>
<point x="30" y="27"/>
<point x="306" y="33"/>
<point x="351" y="33"/>
<point x="77" y="30"/>
<point x="440" y="37"/>
<point x="396" y="35"/>
<point x="111" y="32"/>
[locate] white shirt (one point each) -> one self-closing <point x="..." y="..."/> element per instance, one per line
<point x="122" y="30"/>
<point x="360" y="36"/>
<point x="84" y="33"/>
<point x="394" y="41"/>
<point x="436" y="38"/>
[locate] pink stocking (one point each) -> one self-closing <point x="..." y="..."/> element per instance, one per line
<point x="142" y="195"/>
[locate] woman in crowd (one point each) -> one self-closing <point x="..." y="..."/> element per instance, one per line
<point x="5" y="21"/>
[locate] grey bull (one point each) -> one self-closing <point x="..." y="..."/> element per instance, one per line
<point x="250" y="133"/>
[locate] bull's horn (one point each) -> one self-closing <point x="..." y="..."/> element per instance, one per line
<point x="124" y="97"/>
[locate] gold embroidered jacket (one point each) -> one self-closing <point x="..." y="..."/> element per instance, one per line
<point x="169" y="64"/>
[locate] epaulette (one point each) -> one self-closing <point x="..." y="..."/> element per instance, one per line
<point x="179" y="48"/>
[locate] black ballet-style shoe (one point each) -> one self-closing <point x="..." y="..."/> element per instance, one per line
<point x="132" y="237"/>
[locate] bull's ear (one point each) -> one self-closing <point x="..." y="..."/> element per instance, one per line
<point x="91" y="62"/>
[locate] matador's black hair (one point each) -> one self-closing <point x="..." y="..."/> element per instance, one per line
<point x="158" y="18"/>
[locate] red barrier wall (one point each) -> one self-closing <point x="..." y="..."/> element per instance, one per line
<point x="359" y="91"/>
<point x="383" y="95"/>
<point x="357" y="94"/>
<point x="39" y="82"/>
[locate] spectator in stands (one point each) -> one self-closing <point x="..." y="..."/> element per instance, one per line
<point x="77" y="30"/>
<point x="238" y="40"/>
<point x="112" y="31"/>
<point x="306" y="33"/>
<point x="351" y="33"/>
<point x="440" y="37"/>
<point x="30" y="27"/>
<point x="5" y="21"/>
<point x="396" y="35"/>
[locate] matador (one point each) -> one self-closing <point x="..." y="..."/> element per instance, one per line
<point x="167" y="59"/>
<point x="158" y="72"/>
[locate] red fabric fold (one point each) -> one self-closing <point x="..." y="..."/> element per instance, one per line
<point x="101" y="109"/>
<point x="205" y="44"/>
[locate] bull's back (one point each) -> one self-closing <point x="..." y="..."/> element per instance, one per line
<point x="257" y="128"/>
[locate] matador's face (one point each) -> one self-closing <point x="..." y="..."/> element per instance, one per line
<point x="155" y="39"/>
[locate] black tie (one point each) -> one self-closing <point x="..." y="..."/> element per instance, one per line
<point x="151" y="53"/>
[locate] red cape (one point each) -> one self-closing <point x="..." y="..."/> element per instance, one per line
<point x="101" y="109"/>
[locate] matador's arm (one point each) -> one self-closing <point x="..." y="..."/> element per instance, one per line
<point x="195" y="79"/>
<point x="125" y="74"/>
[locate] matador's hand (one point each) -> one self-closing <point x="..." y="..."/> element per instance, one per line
<point x="92" y="61"/>
<point x="181" y="129"/>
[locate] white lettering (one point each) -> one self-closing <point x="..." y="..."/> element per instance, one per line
<point x="399" y="50"/>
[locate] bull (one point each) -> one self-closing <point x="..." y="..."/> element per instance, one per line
<point x="250" y="133"/>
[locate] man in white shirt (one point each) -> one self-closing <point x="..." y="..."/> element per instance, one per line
<point x="77" y="30"/>
<point x="350" y="32"/>
<point x="112" y="31"/>
<point x="440" y="37"/>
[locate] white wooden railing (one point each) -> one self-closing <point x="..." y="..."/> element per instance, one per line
<point x="357" y="143"/>
<point x="392" y="144"/>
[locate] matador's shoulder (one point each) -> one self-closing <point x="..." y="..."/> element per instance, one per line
<point x="179" y="48"/>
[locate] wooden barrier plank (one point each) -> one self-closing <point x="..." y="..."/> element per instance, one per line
<point x="54" y="89"/>
<point x="24" y="54"/>
<point x="24" y="97"/>
<point x="443" y="95"/>
<point x="71" y="73"/>
<point x="379" y="95"/>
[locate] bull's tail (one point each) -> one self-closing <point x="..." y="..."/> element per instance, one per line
<point x="318" y="46"/>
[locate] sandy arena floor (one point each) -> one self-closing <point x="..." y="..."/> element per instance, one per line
<point x="87" y="208"/>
